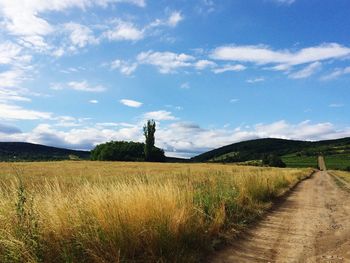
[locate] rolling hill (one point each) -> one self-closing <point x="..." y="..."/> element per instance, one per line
<point x="22" y="151"/>
<point x="293" y="153"/>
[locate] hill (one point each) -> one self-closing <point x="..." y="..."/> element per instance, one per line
<point x="294" y="153"/>
<point x="22" y="151"/>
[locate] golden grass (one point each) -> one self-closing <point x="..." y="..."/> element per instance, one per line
<point x="129" y="212"/>
<point x="342" y="174"/>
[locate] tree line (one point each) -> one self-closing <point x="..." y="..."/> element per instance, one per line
<point x="131" y="151"/>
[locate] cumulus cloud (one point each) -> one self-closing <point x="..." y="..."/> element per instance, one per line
<point x="204" y="63"/>
<point x="80" y="35"/>
<point x="160" y="115"/>
<point x="124" y="31"/>
<point x="124" y="67"/>
<point x="166" y="62"/>
<point x="174" y="18"/>
<point x="131" y="103"/>
<point x="307" y="71"/>
<point x="172" y="21"/>
<point x="182" y="139"/>
<point x="25" y="20"/>
<point x="84" y="138"/>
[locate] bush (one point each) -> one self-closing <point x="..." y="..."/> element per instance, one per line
<point x="273" y="161"/>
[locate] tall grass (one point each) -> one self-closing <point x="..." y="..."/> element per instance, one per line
<point x="128" y="212"/>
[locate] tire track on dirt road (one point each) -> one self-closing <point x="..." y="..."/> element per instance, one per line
<point x="312" y="225"/>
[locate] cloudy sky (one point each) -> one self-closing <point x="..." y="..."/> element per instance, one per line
<point x="75" y="73"/>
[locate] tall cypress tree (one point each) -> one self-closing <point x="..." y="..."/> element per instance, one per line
<point x="148" y="130"/>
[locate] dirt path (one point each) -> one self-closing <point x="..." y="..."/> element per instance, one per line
<point x="312" y="225"/>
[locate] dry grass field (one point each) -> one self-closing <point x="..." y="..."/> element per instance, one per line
<point x="129" y="212"/>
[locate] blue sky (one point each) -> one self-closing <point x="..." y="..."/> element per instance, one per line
<point x="75" y="73"/>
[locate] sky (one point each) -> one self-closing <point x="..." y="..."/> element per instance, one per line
<point x="76" y="73"/>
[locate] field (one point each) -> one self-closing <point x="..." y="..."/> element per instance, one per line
<point x="127" y="212"/>
<point x="336" y="161"/>
<point x="291" y="160"/>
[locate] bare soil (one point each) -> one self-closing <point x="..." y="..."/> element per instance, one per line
<point x="312" y="225"/>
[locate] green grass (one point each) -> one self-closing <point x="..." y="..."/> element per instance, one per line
<point x="338" y="162"/>
<point x="291" y="160"/>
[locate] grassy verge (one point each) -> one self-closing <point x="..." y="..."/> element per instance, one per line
<point x="341" y="178"/>
<point x="129" y="212"/>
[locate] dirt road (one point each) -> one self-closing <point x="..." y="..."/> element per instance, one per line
<point x="312" y="225"/>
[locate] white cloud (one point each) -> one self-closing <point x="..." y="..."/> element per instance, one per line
<point x="10" y="89"/>
<point x="14" y="112"/>
<point x="255" y="80"/>
<point x="131" y="103"/>
<point x="93" y="101"/>
<point x="166" y="62"/>
<point x="202" y="64"/>
<point x="14" y="94"/>
<point x="185" y="85"/>
<point x="11" y="78"/>
<point x="175" y="18"/>
<point x="124" y="31"/>
<point x="85" y="86"/>
<point x="205" y="7"/>
<point x="336" y="105"/>
<point x="234" y="100"/>
<point x="172" y="21"/>
<point x="80" y="35"/>
<point x="226" y="68"/>
<point x="183" y="139"/>
<point x="77" y="85"/>
<point x="307" y="71"/>
<point x="178" y="138"/>
<point x="337" y="73"/>
<point x="283" y="58"/>
<point x="160" y="115"/>
<point x="9" y="52"/>
<point x="23" y="18"/>
<point x="285" y="2"/>
<point x="78" y="137"/>
<point x="124" y="67"/>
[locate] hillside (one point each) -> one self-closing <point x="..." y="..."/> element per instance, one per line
<point x="294" y="153"/>
<point x="22" y="151"/>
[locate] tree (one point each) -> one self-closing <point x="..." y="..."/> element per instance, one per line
<point x="149" y="130"/>
<point x="118" y="151"/>
<point x="273" y="161"/>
